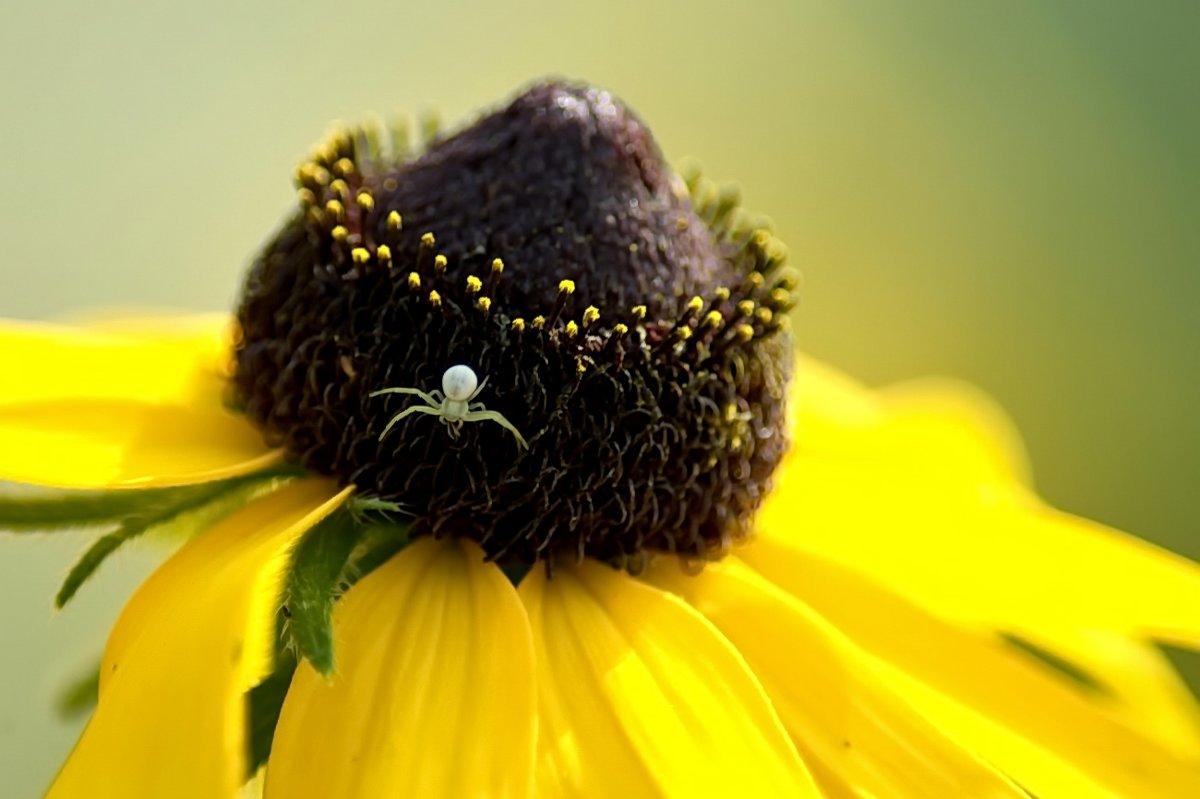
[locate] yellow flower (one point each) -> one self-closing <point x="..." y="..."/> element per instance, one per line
<point x="905" y="620"/>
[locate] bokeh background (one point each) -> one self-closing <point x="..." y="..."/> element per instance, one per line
<point x="1002" y="191"/>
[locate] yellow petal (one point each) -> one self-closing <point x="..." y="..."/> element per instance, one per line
<point x="1055" y="722"/>
<point x="837" y="710"/>
<point x="638" y="695"/>
<point x="434" y="694"/>
<point x="87" y="409"/>
<point x="196" y="636"/>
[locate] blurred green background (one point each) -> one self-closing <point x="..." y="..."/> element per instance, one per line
<point x="1001" y="191"/>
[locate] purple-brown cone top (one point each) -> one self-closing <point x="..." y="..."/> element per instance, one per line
<point x="637" y="343"/>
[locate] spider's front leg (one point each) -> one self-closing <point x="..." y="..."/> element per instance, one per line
<point x="435" y="411"/>
<point x="428" y="398"/>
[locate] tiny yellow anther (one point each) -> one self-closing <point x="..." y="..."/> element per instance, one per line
<point x="341" y="188"/>
<point x="755" y="279"/>
<point x="439" y="263"/>
<point x="539" y="322"/>
<point x="394" y="221"/>
<point x="339" y="233"/>
<point x="336" y="208"/>
<point x="572" y="329"/>
<point x="781" y="296"/>
<point x="497" y="266"/>
<point x="383" y="253"/>
<point x="764" y="315"/>
<point x="684" y="332"/>
<point x="485" y="304"/>
<point x="639" y="312"/>
<point x="591" y="314"/>
<point x="695" y="304"/>
<point x="435" y="299"/>
<point x="361" y="255"/>
<point x="566" y="286"/>
<point x="414" y="281"/>
<point x="306" y="197"/>
<point x="620" y="328"/>
<point x="745" y="332"/>
<point x="745" y="307"/>
<point x="344" y="167"/>
<point x="427" y="240"/>
<point x="365" y="201"/>
<point x="721" y="294"/>
<point x="713" y="319"/>
<point x="580" y="366"/>
<point x="474" y="284"/>
<point x="518" y="324"/>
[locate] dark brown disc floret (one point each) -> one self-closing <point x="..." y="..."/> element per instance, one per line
<point x="631" y="326"/>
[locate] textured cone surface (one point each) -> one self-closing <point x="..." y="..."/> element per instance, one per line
<point x="649" y="428"/>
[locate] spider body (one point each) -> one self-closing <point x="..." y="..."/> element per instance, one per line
<point x="453" y="404"/>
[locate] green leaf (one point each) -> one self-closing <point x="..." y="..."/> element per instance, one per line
<point x="27" y="509"/>
<point x="187" y="510"/>
<point x="313" y="585"/>
<point x="79" y="695"/>
<point x="35" y="510"/>
<point x="264" y="702"/>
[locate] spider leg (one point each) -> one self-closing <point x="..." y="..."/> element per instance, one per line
<point x="476" y="406"/>
<point x="416" y="391"/>
<point x="498" y="418"/>
<point x="478" y="388"/>
<point x="408" y="412"/>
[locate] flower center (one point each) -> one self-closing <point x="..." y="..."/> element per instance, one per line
<point x="623" y="344"/>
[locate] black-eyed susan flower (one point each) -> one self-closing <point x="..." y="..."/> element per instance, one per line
<point x="493" y="496"/>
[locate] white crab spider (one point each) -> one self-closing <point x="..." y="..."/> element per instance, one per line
<point x="452" y="404"/>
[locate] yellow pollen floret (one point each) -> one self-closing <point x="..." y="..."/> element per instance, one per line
<point x="518" y="324"/>
<point x="394" y="221"/>
<point x="474" y="284"/>
<point x="695" y="304"/>
<point x="745" y="332"/>
<point x="755" y="279"/>
<point x="620" y="328"/>
<point x="365" y="201"/>
<point x="341" y="188"/>
<point x="572" y="329"/>
<point x="781" y="296"/>
<point x="497" y="266"/>
<point x="414" y="281"/>
<point x="306" y="197"/>
<point x="339" y="233"/>
<point x="439" y="263"/>
<point x="566" y="286"/>
<point x="361" y="255"/>
<point x="336" y="208"/>
<point x="427" y="240"/>
<point x="383" y="253"/>
<point x="721" y="294"/>
<point x="713" y="319"/>
<point x="764" y="315"/>
<point x="539" y="322"/>
<point x="745" y="307"/>
<point x="639" y="312"/>
<point x="591" y="315"/>
<point x="344" y="167"/>
<point x="435" y="299"/>
<point x="485" y="304"/>
<point x="684" y="332"/>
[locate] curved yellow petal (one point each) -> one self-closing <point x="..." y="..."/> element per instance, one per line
<point x="1059" y="725"/>
<point x="434" y="694"/>
<point x="922" y="491"/>
<point x="90" y="409"/>
<point x="638" y="695"/>
<point x="195" y="637"/>
<point x="836" y="708"/>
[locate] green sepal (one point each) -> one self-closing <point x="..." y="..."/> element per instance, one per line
<point x="264" y="703"/>
<point x="186" y="510"/>
<point x="314" y="583"/>
<point x="78" y="696"/>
